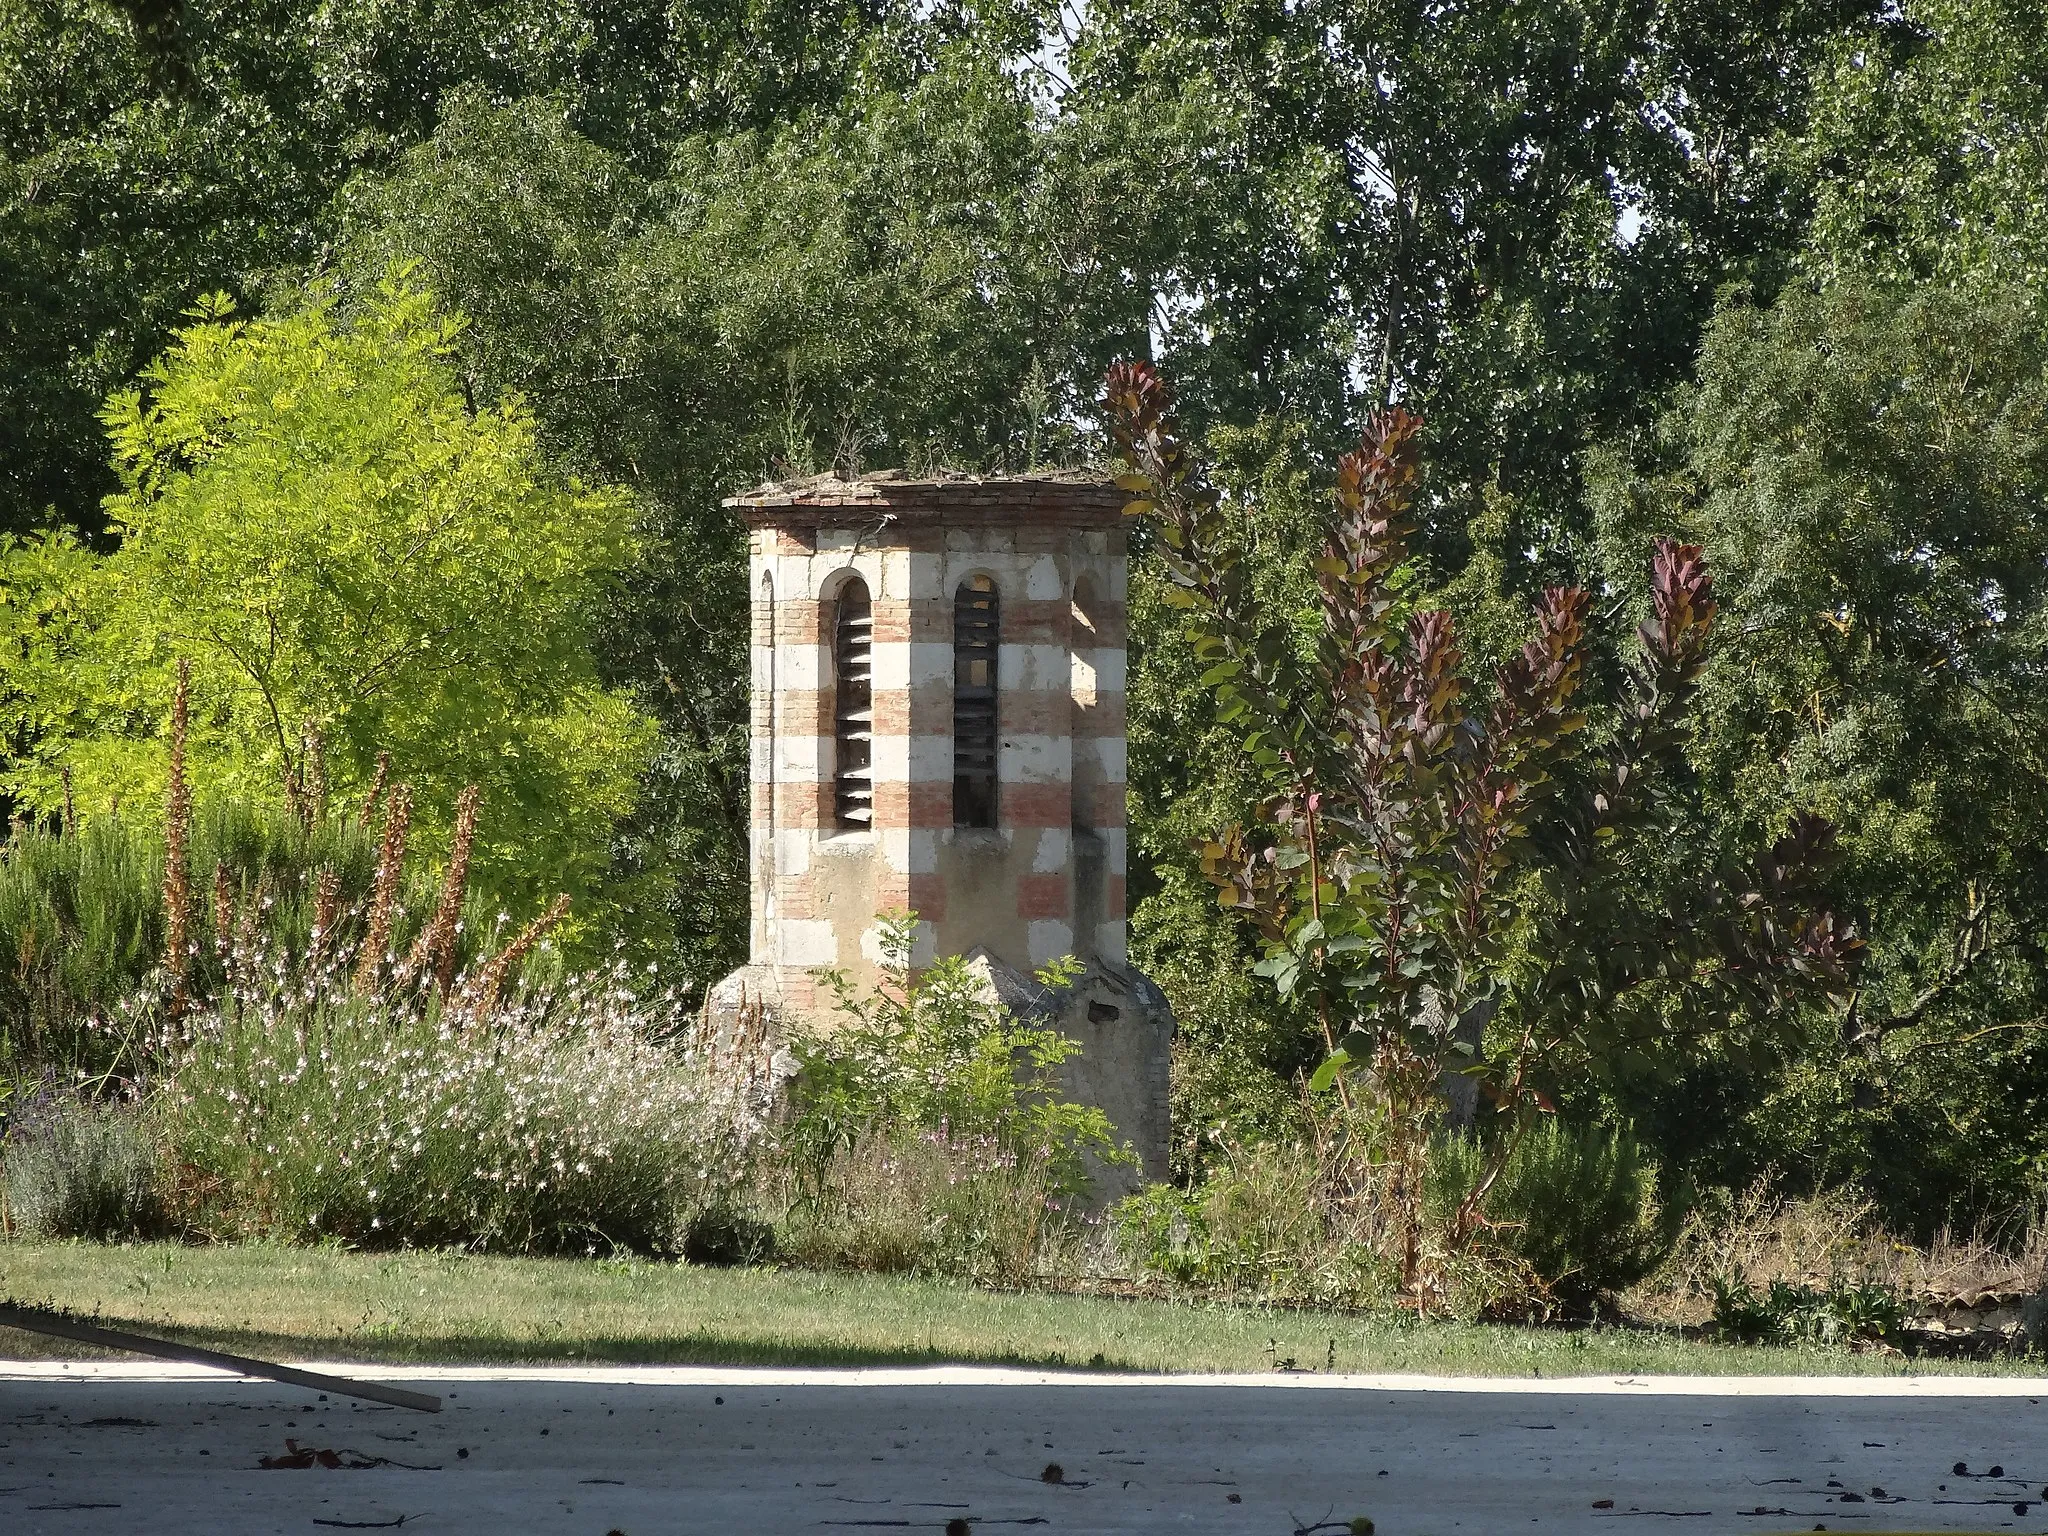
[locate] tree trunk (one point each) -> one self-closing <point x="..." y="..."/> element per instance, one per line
<point x="1461" y="1093"/>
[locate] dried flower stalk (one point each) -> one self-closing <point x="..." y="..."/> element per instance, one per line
<point x="177" y="833"/>
<point x="369" y="815"/>
<point x="315" y="772"/>
<point x="223" y="909"/>
<point x="70" y="809"/>
<point x="490" y="986"/>
<point x="326" y="912"/>
<point x="384" y="894"/>
<point x="433" y="954"/>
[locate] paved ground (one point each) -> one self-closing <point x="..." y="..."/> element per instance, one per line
<point x="120" y="1448"/>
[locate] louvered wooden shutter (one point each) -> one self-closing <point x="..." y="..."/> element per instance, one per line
<point x="976" y="634"/>
<point x="853" y="708"/>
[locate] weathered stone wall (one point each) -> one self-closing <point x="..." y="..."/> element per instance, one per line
<point x="1048" y="878"/>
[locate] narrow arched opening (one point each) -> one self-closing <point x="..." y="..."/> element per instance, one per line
<point x="853" y="708"/>
<point x="977" y="637"/>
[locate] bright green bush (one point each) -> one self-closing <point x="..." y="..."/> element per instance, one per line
<point x="1579" y="1205"/>
<point x="568" y="1121"/>
<point x="936" y="1053"/>
<point x="75" y="1168"/>
<point x="1269" y="1222"/>
<point x="315" y="519"/>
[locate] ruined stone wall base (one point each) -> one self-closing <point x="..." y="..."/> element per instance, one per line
<point x="1121" y="1019"/>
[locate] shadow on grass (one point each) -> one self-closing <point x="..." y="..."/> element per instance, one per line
<point x="497" y="1349"/>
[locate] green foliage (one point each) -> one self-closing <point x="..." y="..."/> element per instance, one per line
<point x="1411" y="828"/>
<point x="315" y="519"/>
<point x="146" y="162"/>
<point x="929" y="1203"/>
<point x="933" y="1051"/>
<point x="1260" y="1225"/>
<point x="1517" y="216"/>
<point x="863" y="287"/>
<point x="1238" y="1045"/>
<point x="80" y="1168"/>
<point x="1579" y="1205"/>
<point x="1923" y="146"/>
<point x="1887" y="672"/>
<point x="1842" y="1313"/>
<point x="82" y="922"/>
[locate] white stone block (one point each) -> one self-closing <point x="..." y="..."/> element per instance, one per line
<point x="804" y="668"/>
<point x="895" y="574"/>
<point x="1028" y="758"/>
<point x="793" y="850"/>
<point x="806" y="941"/>
<point x="909" y="850"/>
<point x="889" y="760"/>
<point x="1113" y="846"/>
<point x="931" y="759"/>
<point x="1053" y="853"/>
<point x="1034" y="668"/>
<point x="792" y="578"/>
<point x="927" y="573"/>
<point x="923" y="945"/>
<point x="930" y="662"/>
<point x="1108" y="664"/>
<point x="891" y="664"/>
<point x="1048" y="938"/>
<point x="803" y="759"/>
<point x="911" y="759"/>
<point x="1043" y="582"/>
<point x="1109" y="944"/>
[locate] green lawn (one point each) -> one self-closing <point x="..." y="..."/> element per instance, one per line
<point x="292" y="1303"/>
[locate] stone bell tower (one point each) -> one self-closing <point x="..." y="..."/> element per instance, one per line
<point x="938" y="725"/>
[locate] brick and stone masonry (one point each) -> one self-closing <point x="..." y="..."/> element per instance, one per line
<point x="866" y="801"/>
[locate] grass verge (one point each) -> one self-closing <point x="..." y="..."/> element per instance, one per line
<point x="300" y="1304"/>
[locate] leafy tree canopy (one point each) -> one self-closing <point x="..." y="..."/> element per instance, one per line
<point x="1924" y="146"/>
<point x="313" y="516"/>
<point x="1869" y="467"/>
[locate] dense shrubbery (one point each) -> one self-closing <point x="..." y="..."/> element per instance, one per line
<point x="1580" y="1206"/>
<point x="82" y="918"/>
<point x="928" y="1129"/>
<point x="1574" y="1214"/>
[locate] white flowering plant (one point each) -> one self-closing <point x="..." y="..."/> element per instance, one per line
<point x="561" y="1118"/>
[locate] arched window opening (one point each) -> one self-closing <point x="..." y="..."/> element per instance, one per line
<point x="976" y="634"/>
<point x="1082" y="712"/>
<point x="853" y="708"/>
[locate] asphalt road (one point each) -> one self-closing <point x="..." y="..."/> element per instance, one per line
<point x="120" y="1448"/>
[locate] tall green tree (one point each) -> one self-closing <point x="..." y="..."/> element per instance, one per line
<point x="151" y="153"/>
<point x="865" y="287"/>
<point x="1513" y="216"/>
<point x="1924" y="146"/>
<point x="1869" y="467"/>
<point x="315" y="519"/>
